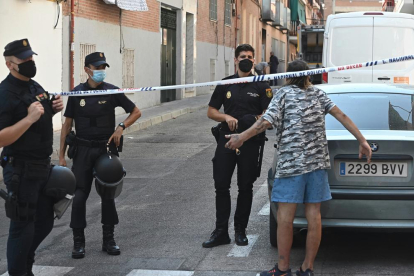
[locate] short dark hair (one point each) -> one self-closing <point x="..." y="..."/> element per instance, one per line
<point x="244" y="47"/>
<point x="295" y="66"/>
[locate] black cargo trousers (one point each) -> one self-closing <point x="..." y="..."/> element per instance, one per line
<point x="83" y="164"/>
<point x="224" y="163"/>
<point x="36" y="219"/>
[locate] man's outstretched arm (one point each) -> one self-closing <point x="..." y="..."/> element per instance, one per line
<point x="237" y="140"/>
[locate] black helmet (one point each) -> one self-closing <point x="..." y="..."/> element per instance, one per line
<point x="109" y="174"/>
<point x="61" y="186"/>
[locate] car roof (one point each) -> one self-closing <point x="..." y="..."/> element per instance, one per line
<point x="367" y="88"/>
<point x="371" y="13"/>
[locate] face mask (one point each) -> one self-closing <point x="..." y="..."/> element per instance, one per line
<point x="98" y="75"/>
<point x="245" y="65"/>
<point x="27" y="69"/>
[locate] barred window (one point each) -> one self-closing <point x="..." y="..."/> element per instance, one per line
<point x="213" y="10"/>
<point x="128" y="66"/>
<point x="85" y="49"/>
<point x="227" y="19"/>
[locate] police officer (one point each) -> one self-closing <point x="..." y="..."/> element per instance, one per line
<point x="94" y="118"/>
<point x="243" y="104"/>
<point x="26" y="133"/>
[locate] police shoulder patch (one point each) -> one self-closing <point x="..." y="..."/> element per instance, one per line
<point x="269" y="93"/>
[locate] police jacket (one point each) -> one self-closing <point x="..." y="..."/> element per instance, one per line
<point x="15" y="97"/>
<point x="95" y="115"/>
<point x="241" y="99"/>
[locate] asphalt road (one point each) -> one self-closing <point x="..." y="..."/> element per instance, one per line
<point x="166" y="211"/>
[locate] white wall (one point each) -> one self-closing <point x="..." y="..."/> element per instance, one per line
<point x="35" y="20"/>
<point x="147" y="47"/>
<point x="209" y="51"/>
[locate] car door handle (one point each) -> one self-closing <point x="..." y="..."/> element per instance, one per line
<point x="383" y="78"/>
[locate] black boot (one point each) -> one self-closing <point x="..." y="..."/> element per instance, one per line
<point x="240" y="236"/>
<point x="218" y="237"/>
<point x="108" y="244"/>
<point x="78" y="251"/>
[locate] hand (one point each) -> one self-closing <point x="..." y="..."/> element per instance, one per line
<point x="365" y="149"/>
<point x="34" y="111"/>
<point x="116" y="136"/>
<point x="57" y="104"/>
<point x="62" y="162"/>
<point x="232" y="122"/>
<point x="235" y="141"/>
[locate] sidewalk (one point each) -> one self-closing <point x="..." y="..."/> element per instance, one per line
<point x="150" y="116"/>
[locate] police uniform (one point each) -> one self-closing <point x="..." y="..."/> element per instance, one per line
<point x="243" y="102"/>
<point x="26" y="166"/>
<point x="94" y="118"/>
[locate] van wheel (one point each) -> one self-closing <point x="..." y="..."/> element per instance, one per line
<point x="272" y="229"/>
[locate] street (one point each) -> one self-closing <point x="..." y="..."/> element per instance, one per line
<point x="166" y="211"/>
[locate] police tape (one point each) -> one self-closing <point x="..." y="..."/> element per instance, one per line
<point x="259" y="78"/>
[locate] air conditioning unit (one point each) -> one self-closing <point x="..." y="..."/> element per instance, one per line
<point x="280" y="14"/>
<point x="268" y="10"/>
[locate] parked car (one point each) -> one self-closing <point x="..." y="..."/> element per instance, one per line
<point x="375" y="195"/>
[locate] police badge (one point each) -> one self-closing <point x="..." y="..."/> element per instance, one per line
<point x="82" y="102"/>
<point x="228" y="95"/>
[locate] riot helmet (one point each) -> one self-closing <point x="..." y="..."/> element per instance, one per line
<point x="109" y="175"/>
<point x="61" y="186"/>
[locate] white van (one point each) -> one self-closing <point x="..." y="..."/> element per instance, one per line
<point x="367" y="36"/>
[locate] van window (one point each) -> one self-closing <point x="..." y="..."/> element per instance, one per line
<point x="393" y="42"/>
<point x="350" y="45"/>
<point x="374" y="111"/>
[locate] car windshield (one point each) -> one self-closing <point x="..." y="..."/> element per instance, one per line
<point x="374" y="111"/>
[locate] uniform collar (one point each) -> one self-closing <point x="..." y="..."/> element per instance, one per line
<point x="237" y="75"/>
<point x="18" y="82"/>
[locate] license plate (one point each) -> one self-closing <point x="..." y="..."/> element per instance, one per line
<point x="392" y="169"/>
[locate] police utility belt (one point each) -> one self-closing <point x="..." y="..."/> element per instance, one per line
<point x="74" y="142"/>
<point x="35" y="170"/>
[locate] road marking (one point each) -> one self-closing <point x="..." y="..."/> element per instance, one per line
<point x="48" y="270"/>
<point x="243" y="251"/>
<point x="142" y="272"/>
<point x="265" y="210"/>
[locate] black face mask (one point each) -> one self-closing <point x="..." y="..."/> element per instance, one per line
<point x="245" y="65"/>
<point x="27" y="69"/>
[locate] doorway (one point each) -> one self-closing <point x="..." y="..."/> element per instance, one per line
<point x="168" y="53"/>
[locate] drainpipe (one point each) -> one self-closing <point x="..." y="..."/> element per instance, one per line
<point x="72" y="44"/>
<point x="235" y="33"/>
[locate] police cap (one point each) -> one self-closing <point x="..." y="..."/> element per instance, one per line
<point x="19" y="48"/>
<point x="96" y="59"/>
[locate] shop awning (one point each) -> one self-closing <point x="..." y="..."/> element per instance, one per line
<point x="129" y="5"/>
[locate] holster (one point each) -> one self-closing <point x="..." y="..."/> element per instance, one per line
<point x="215" y="130"/>
<point x="71" y="142"/>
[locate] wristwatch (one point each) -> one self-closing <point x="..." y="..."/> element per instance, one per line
<point x="122" y="125"/>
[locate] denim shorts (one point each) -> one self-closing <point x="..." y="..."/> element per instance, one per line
<point x="312" y="187"/>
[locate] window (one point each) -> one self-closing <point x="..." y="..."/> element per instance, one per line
<point x="212" y="72"/>
<point x="213" y="10"/>
<point x="227" y="15"/>
<point x="128" y="68"/>
<point x="85" y="49"/>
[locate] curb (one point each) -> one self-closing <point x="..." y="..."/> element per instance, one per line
<point x="143" y="124"/>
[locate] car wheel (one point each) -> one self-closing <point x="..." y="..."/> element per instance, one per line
<point x="272" y="229"/>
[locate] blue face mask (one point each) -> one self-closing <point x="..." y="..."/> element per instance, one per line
<point x="98" y="75"/>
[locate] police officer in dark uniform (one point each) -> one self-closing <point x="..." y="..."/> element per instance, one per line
<point x="26" y="133"/>
<point x="94" y="118"/>
<point x="243" y="104"/>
